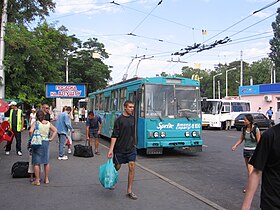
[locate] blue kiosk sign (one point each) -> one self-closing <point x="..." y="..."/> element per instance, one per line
<point x="65" y="90"/>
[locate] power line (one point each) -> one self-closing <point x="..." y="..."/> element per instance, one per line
<point x="253" y="24"/>
<point x="159" y="3"/>
<point x="243" y="20"/>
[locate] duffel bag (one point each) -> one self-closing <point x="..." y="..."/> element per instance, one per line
<point x="20" y="170"/>
<point x="83" y="151"/>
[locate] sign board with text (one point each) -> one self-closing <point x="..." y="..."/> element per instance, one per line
<point x="65" y="90"/>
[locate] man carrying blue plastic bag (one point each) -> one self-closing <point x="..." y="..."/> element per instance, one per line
<point x="123" y="148"/>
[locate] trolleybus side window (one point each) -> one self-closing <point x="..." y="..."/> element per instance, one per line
<point x="96" y="105"/>
<point x="107" y="104"/>
<point x="101" y="101"/>
<point x="131" y="97"/>
<point x="114" y="100"/>
<point x="142" y="107"/>
<point x="122" y="98"/>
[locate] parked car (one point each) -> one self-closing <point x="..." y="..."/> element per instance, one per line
<point x="259" y="119"/>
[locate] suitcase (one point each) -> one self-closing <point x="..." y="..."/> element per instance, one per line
<point x="83" y="151"/>
<point x="20" y="170"/>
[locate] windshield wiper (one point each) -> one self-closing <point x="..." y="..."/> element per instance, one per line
<point x="157" y="114"/>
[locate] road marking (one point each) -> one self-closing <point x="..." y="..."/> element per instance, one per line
<point x="175" y="184"/>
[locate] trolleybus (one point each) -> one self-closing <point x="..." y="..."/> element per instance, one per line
<point x="167" y="111"/>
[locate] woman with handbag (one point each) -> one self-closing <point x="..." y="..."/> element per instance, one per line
<point x="40" y="153"/>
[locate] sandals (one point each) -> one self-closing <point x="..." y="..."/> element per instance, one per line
<point x="97" y="153"/>
<point x="36" y="183"/>
<point x="47" y="181"/>
<point x="131" y="196"/>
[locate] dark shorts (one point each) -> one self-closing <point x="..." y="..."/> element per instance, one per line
<point x="122" y="158"/>
<point x="93" y="133"/>
<point x="248" y="153"/>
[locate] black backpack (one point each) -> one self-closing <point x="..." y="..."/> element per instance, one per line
<point x="253" y="132"/>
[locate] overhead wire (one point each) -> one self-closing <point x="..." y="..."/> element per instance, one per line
<point x="267" y="6"/>
<point x="139" y="24"/>
<point x="253" y="24"/>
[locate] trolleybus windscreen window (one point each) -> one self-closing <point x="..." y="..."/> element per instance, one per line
<point x="172" y="101"/>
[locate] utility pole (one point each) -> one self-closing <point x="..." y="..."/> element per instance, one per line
<point x="219" y="90"/>
<point x="241" y="69"/>
<point x="274" y="74"/>
<point x="67" y="70"/>
<point x="2" y="48"/>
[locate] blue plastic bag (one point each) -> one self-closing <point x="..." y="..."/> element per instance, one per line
<point x="108" y="176"/>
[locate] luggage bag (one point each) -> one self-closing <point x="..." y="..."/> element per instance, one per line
<point x="20" y="170"/>
<point x="83" y="150"/>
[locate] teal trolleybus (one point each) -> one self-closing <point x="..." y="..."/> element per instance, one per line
<point x="167" y="111"/>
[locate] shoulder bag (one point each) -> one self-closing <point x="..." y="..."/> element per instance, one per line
<point x="36" y="139"/>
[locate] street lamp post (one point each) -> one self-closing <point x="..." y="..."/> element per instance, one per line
<point x="214" y="84"/>
<point x="219" y="89"/>
<point x="227" y="80"/>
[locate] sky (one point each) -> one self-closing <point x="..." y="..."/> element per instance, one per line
<point x="144" y="37"/>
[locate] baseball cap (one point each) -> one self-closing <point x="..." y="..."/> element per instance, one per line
<point x="13" y="103"/>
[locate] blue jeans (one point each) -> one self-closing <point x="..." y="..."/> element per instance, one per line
<point x="62" y="141"/>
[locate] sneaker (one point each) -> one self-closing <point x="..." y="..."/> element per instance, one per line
<point x="69" y="151"/>
<point x="7" y="152"/>
<point x="19" y="153"/>
<point x="63" y="158"/>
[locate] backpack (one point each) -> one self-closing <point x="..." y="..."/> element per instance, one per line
<point x="253" y="132"/>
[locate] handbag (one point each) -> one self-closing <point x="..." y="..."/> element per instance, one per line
<point x="36" y="139"/>
<point x="108" y="175"/>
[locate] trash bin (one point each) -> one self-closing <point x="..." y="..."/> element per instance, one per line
<point x="76" y="135"/>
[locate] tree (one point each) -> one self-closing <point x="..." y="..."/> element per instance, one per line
<point x="275" y="44"/>
<point x="84" y="68"/>
<point x="26" y="11"/>
<point x="259" y="70"/>
<point x="34" y="58"/>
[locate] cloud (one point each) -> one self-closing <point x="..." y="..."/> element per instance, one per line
<point x="93" y="6"/>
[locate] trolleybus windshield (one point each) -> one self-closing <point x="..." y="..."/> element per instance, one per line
<point x="172" y="101"/>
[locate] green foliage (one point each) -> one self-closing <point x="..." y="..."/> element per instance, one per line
<point x="257" y="70"/>
<point x="83" y="68"/>
<point x="26" y="11"/>
<point x="275" y="44"/>
<point x="34" y="58"/>
<point x="261" y="71"/>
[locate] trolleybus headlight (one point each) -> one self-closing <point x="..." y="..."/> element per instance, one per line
<point x="194" y="134"/>
<point x="156" y="134"/>
<point x="187" y="134"/>
<point x="162" y="134"/>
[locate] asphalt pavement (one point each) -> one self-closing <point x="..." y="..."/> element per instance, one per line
<point x="74" y="184"/>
